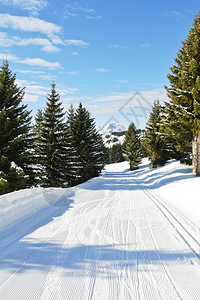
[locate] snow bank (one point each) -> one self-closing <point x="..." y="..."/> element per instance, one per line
<point x="173" y="182"/>
<point x="20" y="204"/>
<point x="176" y="184"/>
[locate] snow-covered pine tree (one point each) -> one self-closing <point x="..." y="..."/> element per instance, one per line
<point x="50" y="143"/>
<point x="15" y="141"/>
<point x="153" y="140"/>
<point x="131" y="147"/>
<point x="88" y="144"/>
<point x="184" y="94"/>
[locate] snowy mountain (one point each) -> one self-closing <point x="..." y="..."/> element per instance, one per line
<point x="113" y="133"/>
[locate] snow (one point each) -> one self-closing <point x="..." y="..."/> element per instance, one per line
<point x="124" y="235"/>
<point x="21" y="204"/>
<point x="112" y="127"/>
<point x="109" y="135"/>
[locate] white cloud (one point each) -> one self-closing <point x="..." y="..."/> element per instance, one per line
<point x="78" y="43"/>
<point x="75" y="53"/>
<point x="72" y="73"/>
<point x="32" y="6"/>
<point x="116" y="46"/>
<point x="121" y="98"/>
<point x="47" y="77"/>
<point x="122" y="81"/>
<point x="31" y="24"/>
<point x="94" y="17"/>
<point x="145" y="45"/>
<point x="31" y="72"/>
<point x="40" y="62"/>
<point x="46" y="45"/>
<point x="75" y="9"/>
<point x="8" y="56"/>
<point x="177" y="13"/>
<point x="31" y="98"/>
<point x="101" y="70"/>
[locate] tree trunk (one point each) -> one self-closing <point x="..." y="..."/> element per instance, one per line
<point x="196" y="154"/>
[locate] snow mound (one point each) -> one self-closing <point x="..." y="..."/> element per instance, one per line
<point x="20" y="204"/>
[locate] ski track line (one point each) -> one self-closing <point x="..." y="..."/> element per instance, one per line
<point x="183" y="284"/>
<point x="158" y="284"/>
<point x="41" y="241"/>
<point x="112" y="248"/>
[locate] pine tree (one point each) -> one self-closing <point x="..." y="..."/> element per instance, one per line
<point x="15" y="140"/>
<point x="131" y="147"/>
<point x="116" y="153"/>
<point x="88" y="144"/>
<point x="50" y="148"/>
<point x="37" y="153"/>
<point x="184" y="94"/>
<point x="154" y="141"/>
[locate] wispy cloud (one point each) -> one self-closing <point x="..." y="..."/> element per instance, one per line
<point x="176" y="13"/>
<point x="101" y="70"/>
<point x="45" y="44"/>
<point x="94" y="17"/>
<point x="151" y="96"/>
<point x="31" y="24"/>
<point x="40" y="62"/>
<point x="31" y="61"/>
<point x="116" y="46"/>
<point x="146" y="45"/>
<point x="122" y="81"/>
<point x="76" y="9"/>
<point x="8" y="56"/>
<point x="75" y="53"/>
<point x="78" y="43"/>
<point x="34" y="91"/>
<point x="31" y="72"/>
<point x="72" y="73"/>
<point x="32" y="6"/>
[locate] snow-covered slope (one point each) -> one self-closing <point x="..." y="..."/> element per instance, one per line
<point x="19" y="205"/>
<point x="113" y="133"/>
<point x="112" y="127"/>
<point x="124" y="235"/>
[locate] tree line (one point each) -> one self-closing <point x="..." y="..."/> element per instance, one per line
<point x="173" y="129"/>
<point x="63" y="150"/>
<point x="60" y="150"/>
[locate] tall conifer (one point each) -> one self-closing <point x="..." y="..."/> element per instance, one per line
<point x="184" y="94"/>
<point x="153" y="140"/>
<point x="88" y="144"/>
<point x="131" y="147"/>
<point x="15" y="140"/>
<point x="50" y="142"/>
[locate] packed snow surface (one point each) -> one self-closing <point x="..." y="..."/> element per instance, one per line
<point x="124" y="235"/>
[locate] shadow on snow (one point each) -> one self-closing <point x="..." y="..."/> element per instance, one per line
<point x="86" y="260"/>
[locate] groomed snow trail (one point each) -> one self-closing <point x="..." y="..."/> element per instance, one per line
<point x="114" y="239"/>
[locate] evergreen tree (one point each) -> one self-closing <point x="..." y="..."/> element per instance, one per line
<point x="154" y="141"/>
<point x="184" y="94"/>
<point x="116" y="153"/>
<point x="50" y="142"/>
<point x="131" y="147"/>
<point x="88" y="144"/>
<point x="37" y="153"/>
<point x="15" y="140"/>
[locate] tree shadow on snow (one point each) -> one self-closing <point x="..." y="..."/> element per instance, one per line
<point x="16" y="231"/>
<point x="138" y="179"/>
<point x="86" y="260"/>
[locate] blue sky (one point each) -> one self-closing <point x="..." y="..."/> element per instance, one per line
<point x="113" y="56"/>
